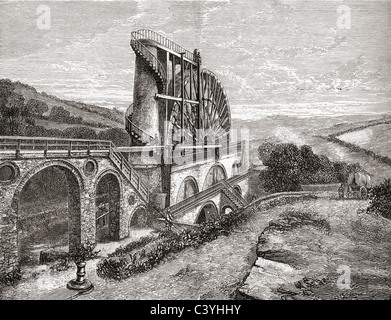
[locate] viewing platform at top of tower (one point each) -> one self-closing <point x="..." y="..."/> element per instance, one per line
<point x="152" y="38"/>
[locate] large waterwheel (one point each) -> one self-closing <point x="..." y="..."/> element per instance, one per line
<point x="214" y="111"/>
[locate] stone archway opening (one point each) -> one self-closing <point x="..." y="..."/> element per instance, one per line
<point x="108" y="207"/>
<point x="227" y="210"/>
<point x="139" y="219"/>
<point x="48" y="211"/>
<point x="207" y="212"/>
<point x="238" y="189"/>
<point x="235" y="168"/>
<point x="187" y="189"/>
<point x="214" y="175"/>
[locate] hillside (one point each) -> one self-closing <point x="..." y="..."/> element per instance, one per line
<point x="315" y="132"/>
<point x="51" y="112"/>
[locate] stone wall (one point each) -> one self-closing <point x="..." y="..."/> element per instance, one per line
<point x="145" y="106"/>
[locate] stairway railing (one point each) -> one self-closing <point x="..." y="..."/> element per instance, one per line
<point x="136" y="132"/>
<point x="234" y="192"/>
<point x="120" y="161"/>
<point x="138" y="46"/>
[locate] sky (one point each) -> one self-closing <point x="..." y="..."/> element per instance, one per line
<point x="273" y="57"/>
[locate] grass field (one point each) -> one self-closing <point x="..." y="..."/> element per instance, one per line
<point x="307" y="131"/>
<point x="375" y="138"/>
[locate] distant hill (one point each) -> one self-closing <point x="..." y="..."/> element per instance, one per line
<point x="26" y="112"/>
<point x="60" y="114"/>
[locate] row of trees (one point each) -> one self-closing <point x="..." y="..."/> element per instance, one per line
<point x="15" y="116"/>
<point x="290" y="166"/>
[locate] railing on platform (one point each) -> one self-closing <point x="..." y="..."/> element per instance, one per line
<point x="162" y="40"/>
<point x="52" y="145"/>
<point x="205" y="153"/>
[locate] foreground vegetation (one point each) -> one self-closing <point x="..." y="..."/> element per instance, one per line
<point x="147" y="252"/>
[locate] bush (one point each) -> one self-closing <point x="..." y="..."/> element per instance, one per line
<point x="61" y="261"/>
<point x="132" y="246"/>
<point x="380" y="199"/>
<point x="37" y="107"/>
<point x="123" y="264"/>
<point x="11" y="278"/>
<point x="289" y="167"/>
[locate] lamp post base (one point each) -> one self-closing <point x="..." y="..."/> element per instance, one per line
<point x="84" y="287"/>
<point x="81" y="284"/>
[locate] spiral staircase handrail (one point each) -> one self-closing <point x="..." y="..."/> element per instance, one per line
<point x="136" y="43"/>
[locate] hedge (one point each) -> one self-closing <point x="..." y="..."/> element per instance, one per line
<point x="123" y="263"/>
<point x="353" y="147"/>
<point x="146" y="253"/>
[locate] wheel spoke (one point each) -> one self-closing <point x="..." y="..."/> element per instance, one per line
<point x="214" y="109"/>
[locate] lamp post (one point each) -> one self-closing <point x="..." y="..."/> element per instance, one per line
<point x="81" y="284"/>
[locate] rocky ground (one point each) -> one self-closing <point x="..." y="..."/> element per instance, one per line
<point x="322" y="250"/>
<point x="290" y="262"/>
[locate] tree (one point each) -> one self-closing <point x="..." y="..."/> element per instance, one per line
<point x="36" y="131"/>
<point x="310" y="162"/>
<point x="14" y="115"/>
<point x="380" y="199"/>
<point x="283" y="173"/>
<point x="289" y="167"/>
<point x="59" y="114"/>
<point x="341" y="171"/>
<point x="6" y="88"/>
<point x="37" y="107"/>
<point x="118" y="136"/>
<point x="265" y="150"/>
<point x="80" y="133"/>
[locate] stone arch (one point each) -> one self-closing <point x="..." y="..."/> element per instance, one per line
<point x="75" y="185"/>
<point x="207" y="212"/>
<point x="108" y="197"/>
<point x="226" y="209"/>
<point x="108" y="171"/>
<point x="215" y="174"/>
<point x="188" y="187"/>
<point x="139" y="217"/>
<point x="238" y="189"/>
<point x="51" y="163"/>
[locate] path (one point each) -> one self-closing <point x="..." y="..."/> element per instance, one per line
<point x="212" y="271"/>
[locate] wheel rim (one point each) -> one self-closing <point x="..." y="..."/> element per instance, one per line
<point x="215" y="114"/>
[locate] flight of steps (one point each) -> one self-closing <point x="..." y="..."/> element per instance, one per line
<point x="152" y="61"/>
<point x="233" y="195"/>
